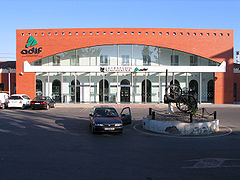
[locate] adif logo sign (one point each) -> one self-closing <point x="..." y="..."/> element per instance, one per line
<point x="137" y="69"/>
<point x="31" y="42"/>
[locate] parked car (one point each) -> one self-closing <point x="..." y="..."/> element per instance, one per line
<point x="19" y="101"/>
<point x="3" y="100"/>
<point x="42" y="102"/>
<point x="106" y="119"/>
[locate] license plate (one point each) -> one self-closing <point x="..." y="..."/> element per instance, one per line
<point x="109" y="129"/>
<point x="37" y="103"/>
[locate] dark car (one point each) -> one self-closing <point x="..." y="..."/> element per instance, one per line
<point x="106" y="119"/>
<point x="42" y="102"/>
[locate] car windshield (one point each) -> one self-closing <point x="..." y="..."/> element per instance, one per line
<point x="15" y="97"/>
<point x="40" y="98"/>
<point x="26" y="97"/>
<point x="105" y="112"/>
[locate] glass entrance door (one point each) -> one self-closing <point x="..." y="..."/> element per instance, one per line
<point x="72" y="90"/>
<point x="56" y="91"/>
<point x="148" y="89"/>
<point x="125" y="91"/>
<point x="104" y="95"/>
<point x="210" y="91"/>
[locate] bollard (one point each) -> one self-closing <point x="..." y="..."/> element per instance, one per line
<point x="203" y="112"/>
<point x="215" y="115"/>
<point x="150" y="111"/>
<point x="153" y="115"/>
<point x="191" y="118"/>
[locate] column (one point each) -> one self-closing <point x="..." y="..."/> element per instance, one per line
<point x="131" y="98"/>
<point x="117" y="90"/>
<point x="75" y="88"/>
<point x="159" y="87"/>
<point x="61" y="87"/>
<point x="9" y="82"/>
<point x="89" y="87"/>
<point x="200" y="86"/>
<point x="48" y="85"/>
<point x="103" y="89"/>
<point x="145" y="88"/>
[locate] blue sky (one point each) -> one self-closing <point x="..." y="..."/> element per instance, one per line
<point x="26" y="14"/>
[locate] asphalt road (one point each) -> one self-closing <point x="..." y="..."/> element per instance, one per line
<point x="57" y="144"/>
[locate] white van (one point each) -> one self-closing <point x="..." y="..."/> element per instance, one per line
<point x="3" y="100"/>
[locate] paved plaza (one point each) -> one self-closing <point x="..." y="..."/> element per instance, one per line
<point x="57" y="144"/>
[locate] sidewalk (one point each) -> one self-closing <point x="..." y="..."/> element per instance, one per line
<point x="86" y="105"/>
<point x="161" y="105"/>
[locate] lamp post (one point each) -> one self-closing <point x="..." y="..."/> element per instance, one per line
<point x="9" y="81"/>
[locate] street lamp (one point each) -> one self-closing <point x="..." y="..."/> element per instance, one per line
<point x="9" y="81"/>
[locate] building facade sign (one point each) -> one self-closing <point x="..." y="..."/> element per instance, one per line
<point x="121" y="69"/>
<point x="34" y="50"/>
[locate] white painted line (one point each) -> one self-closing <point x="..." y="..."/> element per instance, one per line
<point x="17" y="125"/>
<point x="213" y="163"/>
<point x="187" y="137"/>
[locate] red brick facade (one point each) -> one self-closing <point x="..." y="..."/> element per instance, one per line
<point x="216" y="45"/>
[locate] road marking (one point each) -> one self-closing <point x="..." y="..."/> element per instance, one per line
<point x="17" y="125"/>
<point x="229" y="131"/>
<point x="214" y="163"/>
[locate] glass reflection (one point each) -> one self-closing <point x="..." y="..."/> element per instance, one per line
<point x="124" y="55"/>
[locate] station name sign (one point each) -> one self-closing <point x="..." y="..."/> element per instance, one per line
<point x="121" y="69"/>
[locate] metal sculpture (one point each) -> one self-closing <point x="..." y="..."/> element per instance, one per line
<point x="185" y="100"/>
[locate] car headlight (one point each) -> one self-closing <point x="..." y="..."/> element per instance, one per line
<point x="118" y="124"/>
<point x="99" y="124"/>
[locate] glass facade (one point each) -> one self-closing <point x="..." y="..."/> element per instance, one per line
<point x="121" y="87"/>
<point x="124" y="55"/>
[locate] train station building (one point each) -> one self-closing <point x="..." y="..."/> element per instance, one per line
<point x="124" y="65"/>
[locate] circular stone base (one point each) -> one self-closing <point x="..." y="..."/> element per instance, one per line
<point x="181" y="128"/>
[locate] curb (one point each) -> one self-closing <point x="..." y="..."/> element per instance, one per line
<point x="227" y="132"/>
<point x="181" y="128"/>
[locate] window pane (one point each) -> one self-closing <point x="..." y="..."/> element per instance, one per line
<point x="83" y="56"/>
<point x="125" y="60"/>
<point x="125" y="51"/>
<point x="137" y="56"/>
<point x="165" y="56"/>
<point x="174" y="60"/>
